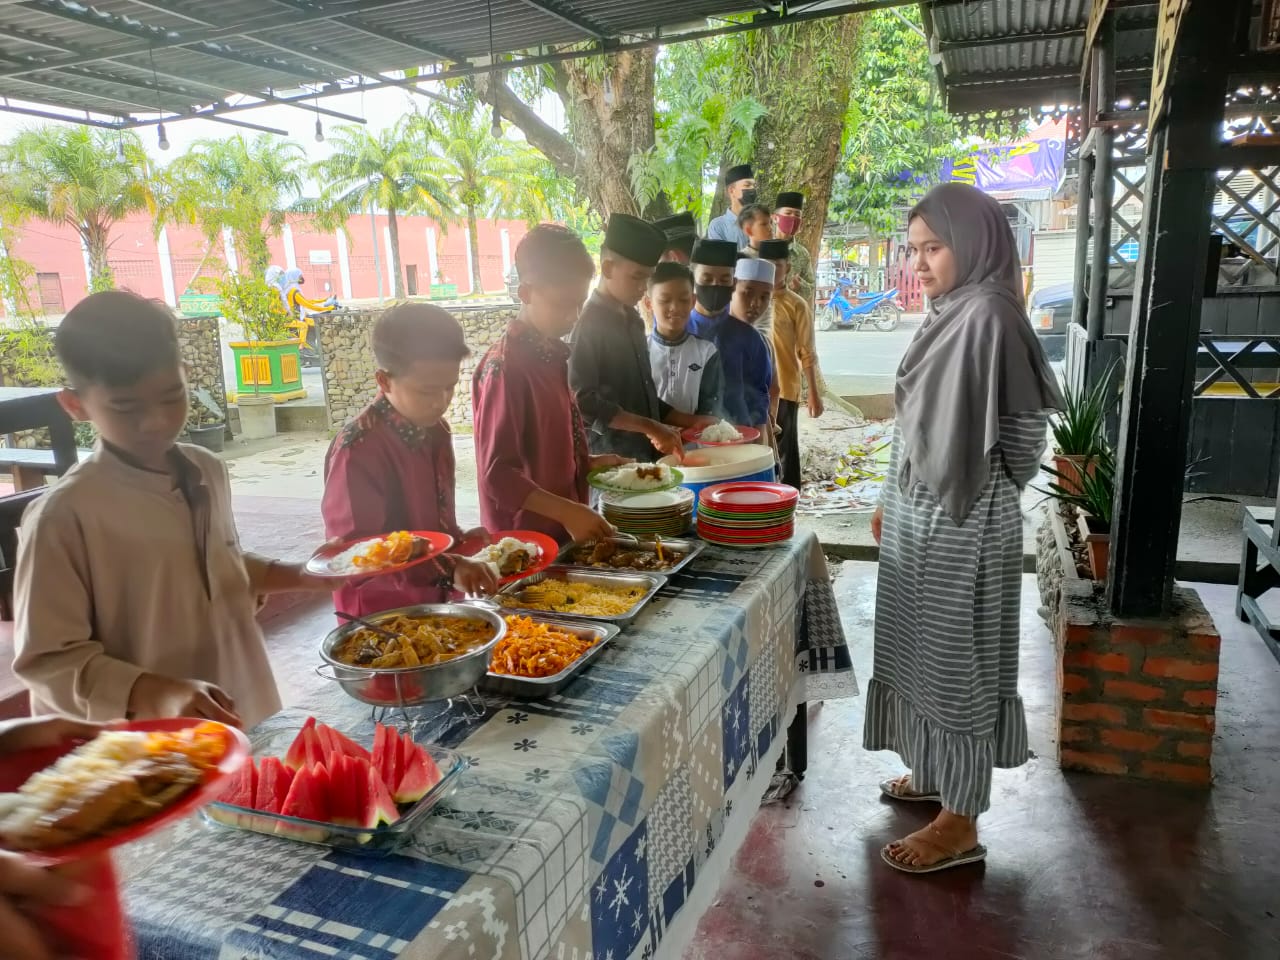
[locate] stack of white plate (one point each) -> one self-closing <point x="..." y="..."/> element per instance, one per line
<point x="665" y="513"/>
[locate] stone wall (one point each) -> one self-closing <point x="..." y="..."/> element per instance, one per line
<point x="198" y="343"/>
<point x="347" y="365"/>
<point x="201" y="348"/>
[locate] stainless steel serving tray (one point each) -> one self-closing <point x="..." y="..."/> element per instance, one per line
<point x="690" y="549"/>
<point x="651" y="583"/>
<point x="533" y="688"/>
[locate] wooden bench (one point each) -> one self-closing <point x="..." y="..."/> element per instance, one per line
<point x="30" y="468"/>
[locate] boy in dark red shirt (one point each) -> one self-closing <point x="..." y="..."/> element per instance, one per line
<point x="392" y="467"/>
<point x="531" y="443"/>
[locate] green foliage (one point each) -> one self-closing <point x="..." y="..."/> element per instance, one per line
<point x="76" y="176"/>
<point x="1079" y="429"/>
<point x="1092" y="489"/>
<point x="386" y="169"/>
<point x="699" y="122"/>
<point x="248" y="301"/>
<point x="242" y="186"/>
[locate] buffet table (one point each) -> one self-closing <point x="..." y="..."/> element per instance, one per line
<point x="598" y="823"/>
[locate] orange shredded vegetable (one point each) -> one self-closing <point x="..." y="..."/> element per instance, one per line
<point x="532" y="649"/>
<point x="394" y="548"/>
<point x="203" y="745"/>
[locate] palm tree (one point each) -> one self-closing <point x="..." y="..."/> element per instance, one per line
<point x="387" y="170"/>
<point x="242" y="186"/>
<point x="89" y="179"/>
<point x="487" y="176"/>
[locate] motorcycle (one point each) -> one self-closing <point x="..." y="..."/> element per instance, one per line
<point x="882" y="310"/>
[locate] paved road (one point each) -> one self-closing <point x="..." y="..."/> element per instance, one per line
<point x="861" y="362"/>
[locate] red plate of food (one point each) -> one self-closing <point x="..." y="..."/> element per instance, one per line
<point x="76" y="801"/>
<point x="512" y="553"/>
<point x="374" y="556"/>
<point x="749" y="496"/>
<point x="722" y="434"/>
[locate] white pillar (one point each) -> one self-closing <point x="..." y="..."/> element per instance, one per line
<point x="229" y="251"/>
<point x="290" y="255"/>
<point x="466" y="245"/>
<point x="391" y="267"/>
<point x="504" y="235"/>
<point x="88" y="270"/>
<point x="433" y="258"/>
<point x="344" y="263"/>
<point x="166" y="268"/>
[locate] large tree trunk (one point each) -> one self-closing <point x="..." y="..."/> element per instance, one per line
<point x="393" y="231"/>
<point x="473" y="239"/>
<point x="609" y="105"/>
<point x="802" y="75"/>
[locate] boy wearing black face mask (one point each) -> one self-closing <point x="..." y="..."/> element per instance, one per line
<point x="740" y="188"/>
<point x="712" y="262"/>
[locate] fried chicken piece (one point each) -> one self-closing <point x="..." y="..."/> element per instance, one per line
<point x="604" y="550"/>
<point x="651" y="472"/>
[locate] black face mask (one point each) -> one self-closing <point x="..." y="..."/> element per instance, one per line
<point x="713" y="297"/>
<point x="748" y="197"/>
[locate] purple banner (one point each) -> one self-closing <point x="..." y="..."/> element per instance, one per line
<point x="1030" y="167"/>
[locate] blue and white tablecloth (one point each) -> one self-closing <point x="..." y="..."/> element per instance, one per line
<point x="595" y="825"/>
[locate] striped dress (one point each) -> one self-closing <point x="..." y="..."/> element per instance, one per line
<point x="944" y="690"/>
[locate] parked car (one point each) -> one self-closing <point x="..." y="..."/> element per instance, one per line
<point x="1050" y="312"/>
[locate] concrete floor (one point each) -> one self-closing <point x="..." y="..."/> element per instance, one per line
<point x="1080" y="866"/>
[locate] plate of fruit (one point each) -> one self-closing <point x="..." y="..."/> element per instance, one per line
<point x="318" y="785"/>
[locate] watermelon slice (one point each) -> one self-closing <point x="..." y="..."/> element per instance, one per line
<point x="306" y="800"/>
<point x="296" y="757"/>
<point x="239" y="791"/>
<point x="317" y="755"/>
<point x="418" y="774"/>
<point x="274" y="780"/>
<point x="386" y="755"/>
<point x="336" y="742"/>
<point x="381" y="807"/>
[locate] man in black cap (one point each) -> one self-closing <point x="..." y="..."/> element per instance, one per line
<point x="712" y="262"/>
<point x="740" y="188"/>
<point x="787" y="218"/>
<point x="609" y="354"/>
<point x="681" y="230"/>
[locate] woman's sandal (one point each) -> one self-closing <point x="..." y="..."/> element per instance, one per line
<point x="899" y="788"/>
<point x="951" y="858"/>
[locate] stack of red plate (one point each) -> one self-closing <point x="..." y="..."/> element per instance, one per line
<point x="747" y="513"/>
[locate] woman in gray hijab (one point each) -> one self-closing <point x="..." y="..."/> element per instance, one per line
<point x="973" y="396"/>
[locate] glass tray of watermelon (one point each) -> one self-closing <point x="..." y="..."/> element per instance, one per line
<point x="316" y="785"/>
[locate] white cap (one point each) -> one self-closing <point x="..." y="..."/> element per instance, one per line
<point x="749" y="268"/>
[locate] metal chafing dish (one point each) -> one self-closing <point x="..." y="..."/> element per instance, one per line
<point x="690" y="549"/>
<point x="536" y="687"/>
<point x="649" y="583"/>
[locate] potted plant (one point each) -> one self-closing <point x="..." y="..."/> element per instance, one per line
<point x="1092" y="493"/>
<point x="267" y="362"/>
<point x="1079" y="430"/>
<point x="206" y="425"/>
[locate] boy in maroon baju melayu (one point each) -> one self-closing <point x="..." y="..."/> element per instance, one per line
<point x="531" y="442"/>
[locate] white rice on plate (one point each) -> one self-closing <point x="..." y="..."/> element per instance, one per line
<point x="627" y="476"/>
<point x="722" y="432"/>
<point x="496" y="555"/>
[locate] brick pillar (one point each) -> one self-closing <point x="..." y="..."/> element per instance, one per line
<point x="1137" y="698"/>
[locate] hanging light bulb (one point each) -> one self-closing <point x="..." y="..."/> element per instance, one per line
<point x="319" y="131"/>
<point x="496" y="129"/>
<point x="164" y="140"/>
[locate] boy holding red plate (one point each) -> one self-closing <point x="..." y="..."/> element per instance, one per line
<point x="392" y="467"/>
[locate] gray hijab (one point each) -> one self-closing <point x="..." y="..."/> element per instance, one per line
<point x="974" y="360"/>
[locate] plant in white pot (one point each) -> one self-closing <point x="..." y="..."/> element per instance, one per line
<point x="1079" y="430"/>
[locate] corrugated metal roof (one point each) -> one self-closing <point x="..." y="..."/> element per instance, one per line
<point x="1002" y="54"/>
<point x="125" y="58"/>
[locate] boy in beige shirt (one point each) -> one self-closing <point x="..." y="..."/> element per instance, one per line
<point x="132" y="597"/>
